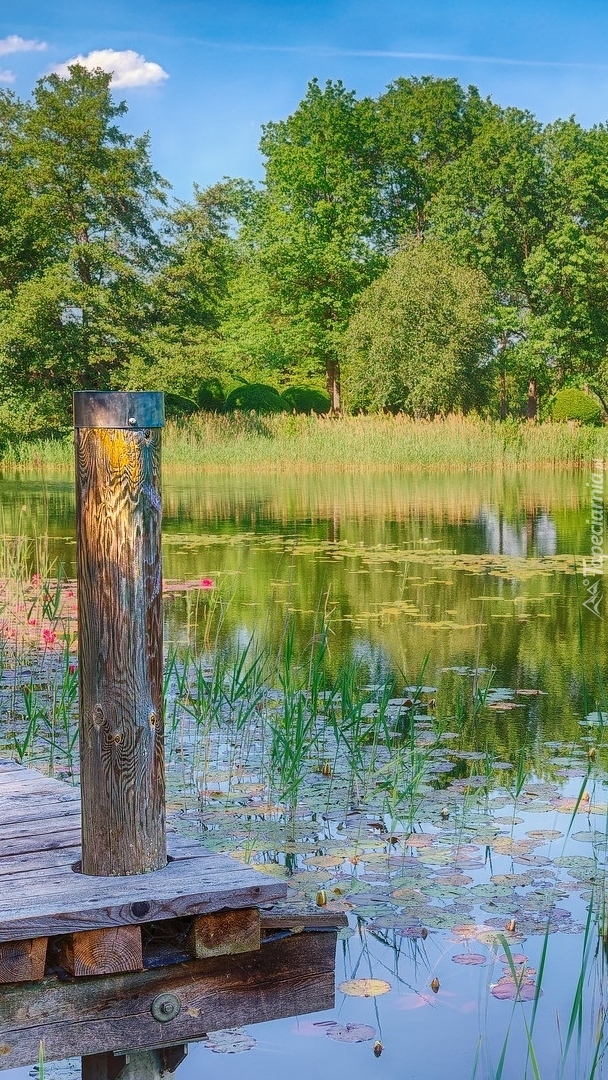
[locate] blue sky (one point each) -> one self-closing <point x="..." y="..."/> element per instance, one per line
<point x="202" y="76"/>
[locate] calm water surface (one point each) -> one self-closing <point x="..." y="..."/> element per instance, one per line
<point x="449" y="575"/>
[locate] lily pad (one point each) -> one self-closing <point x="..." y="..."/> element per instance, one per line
<point x="470" y="959"/>
<point x="229" y="1041"/>
<point x="509" y="989"/>
<point x="364" y="987"/>
<point x="325" y="861"/>
<point x="351" y="1033"/>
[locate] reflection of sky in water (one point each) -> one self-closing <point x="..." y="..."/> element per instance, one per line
<point x="536" y="536"/>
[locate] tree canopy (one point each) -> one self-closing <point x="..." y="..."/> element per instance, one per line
<point x="427" y="249"/>
<point x="420" y="339"/>
<point x="79" y="238"/>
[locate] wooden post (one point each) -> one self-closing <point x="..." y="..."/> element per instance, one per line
<point x="141" y="1065"/>
<point x="118" y="520"/>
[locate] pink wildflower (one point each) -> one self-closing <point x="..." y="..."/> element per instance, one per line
<point x="207" y="583"/>
<point x="35" y="579"/>
<point x="72" y="669"/>
<point x="33" y="622"/>
<point x="49" y="637"/>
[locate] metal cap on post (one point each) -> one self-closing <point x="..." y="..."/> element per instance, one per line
<point x="119" y="409"/>
<point x="118" y="519"/>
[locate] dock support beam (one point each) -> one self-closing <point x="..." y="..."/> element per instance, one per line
<point x="118" y="525"/>
<point x="141" y="1065"/>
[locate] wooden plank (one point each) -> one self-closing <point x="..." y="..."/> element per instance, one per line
<point x="64" y="904"/>
<point x="224" y="933"/>
<point x="29" y="864"/>
<point x="8" y="776"/>
<point x="300" y="915"/>
<point x="25" y="862"/>
<point x="36" y="809"/>
<point x="284" y="978"/>
<point x="22" y="961"/>
<point x="58" y="890"/>
<point x="64" y="881"/>
<point x="8" y="767"/>
<point x="42" y="896"/>
<point x="37" y="783"/>
<point x="99" y="952"/>
<point x="65" y="837"/>
<point x="31" y="830"/>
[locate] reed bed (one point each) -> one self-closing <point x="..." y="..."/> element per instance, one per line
<point x="286" y="442"/>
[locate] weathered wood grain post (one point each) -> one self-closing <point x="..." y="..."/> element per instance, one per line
<point x="118" y="518"/>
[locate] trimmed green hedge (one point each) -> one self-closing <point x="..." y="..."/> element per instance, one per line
<point x="257" y="397"/>
<point x="573" y="404"/>
<point x="305" y="399"/>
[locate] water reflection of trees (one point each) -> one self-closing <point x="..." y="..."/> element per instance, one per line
<point x="279" y="546"/>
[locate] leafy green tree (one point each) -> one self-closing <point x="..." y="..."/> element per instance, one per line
<point x="423" y="126"/>
<point x="567" y="272"/>
<point x="313" y="238"/>
<point x="260" y="339"/>
<point x="494" y="209"/>
<point x="22" y="237"/>
<point x="73" y="288"/>
<point x="420" y="339"/>
<point x="190" y="293"/>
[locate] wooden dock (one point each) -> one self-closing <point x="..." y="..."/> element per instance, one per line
<point x="100" y="965"/>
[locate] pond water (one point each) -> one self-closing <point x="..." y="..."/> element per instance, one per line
<point x="455" y="807"/>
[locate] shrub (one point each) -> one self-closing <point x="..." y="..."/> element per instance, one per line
<point x="177" y="406"/>
<point x="305" y="399"/>
<point x="210" y="396"/>
<point x="573" y="404"/>
<point x="258" y="397"/>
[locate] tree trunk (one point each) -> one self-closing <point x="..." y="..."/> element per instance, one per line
<point x="333" y="386"/>
<point x="503" y="394"/>
<point x="532" y="399"/>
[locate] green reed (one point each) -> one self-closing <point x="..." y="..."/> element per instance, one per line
<point x="582" y="1017"/>
<point x="35" y="714"/>
<point x="292" y="726"/>
<point x="284" y="441"/>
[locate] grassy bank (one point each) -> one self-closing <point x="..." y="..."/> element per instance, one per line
<point x="287" y="442"/>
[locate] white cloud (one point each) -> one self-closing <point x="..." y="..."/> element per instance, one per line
<point x="127" y="67"/>
<point x="7" y="76"/>
<point x="14" y="44"/>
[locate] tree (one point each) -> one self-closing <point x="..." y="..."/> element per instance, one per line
<point x="190" y="293"/>
<point x="567" y="272"/>
<point x="74" y="292"/>
<point x="313" y="240"/>
<point x="420" y="339"/>
<point x="423" y="126"/>
<point x="494" y="209"/>
<point x="22" y="240"/>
